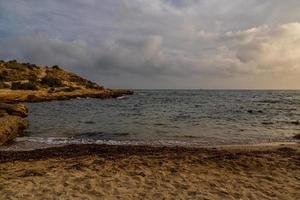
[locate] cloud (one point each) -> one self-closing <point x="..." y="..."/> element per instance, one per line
<point x="174" y="43"/>
<point x="266" y="49"/>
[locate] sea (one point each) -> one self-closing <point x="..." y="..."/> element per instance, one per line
<point x="166" y="118"/>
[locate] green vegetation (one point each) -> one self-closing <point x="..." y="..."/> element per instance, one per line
<point x="51" y="81"/>
<point x="2" y="76"/>
<point x="30" y="66"/>
<point x="56" y="67"/>
<point x="31" y="77"/>
<point x="17" y="66"/>
<point x="24" y="86"/>
<point x="91" y="85"/>
<point x="13" y="71"/>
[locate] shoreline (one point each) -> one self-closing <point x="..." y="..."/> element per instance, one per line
<point x="143" y="172"/>
<point x="33" y="143"/>
<point x="28" y="96"/>
<point x="106" y="150"/>
<point x="13" y="115"/>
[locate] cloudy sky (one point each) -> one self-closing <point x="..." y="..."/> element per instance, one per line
<point x="205" y="44"/>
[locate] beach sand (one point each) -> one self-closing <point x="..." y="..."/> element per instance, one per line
<point x="141" y="172"/>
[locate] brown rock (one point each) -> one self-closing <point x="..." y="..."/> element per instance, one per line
<point x="297" y="137"/>
<point x="11" y="127"/>
<point x="14" y="109"/>
<point x="12" y="122"/>
<point x="3" y="113"/>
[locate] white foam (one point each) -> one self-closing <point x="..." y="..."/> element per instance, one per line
<point x="66" y="141"/>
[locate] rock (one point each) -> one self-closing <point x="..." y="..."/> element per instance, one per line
<point x="48" y="84"/>
<point x="12" y="122"/>
<point x="252" y="111"/>
<point x="297" y="137"/>
<point x="11" y="127"/>
<point x="296" y="122"/>
<point x="33" y="98"/>
<point x="3" y="113"/>
<point x="267" y="123"/>
<point x="14" y="109"/>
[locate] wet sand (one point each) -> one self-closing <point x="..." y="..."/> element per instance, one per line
<point x="143" y="172"/>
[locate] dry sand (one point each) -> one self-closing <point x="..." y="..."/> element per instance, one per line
<point x="129" y="172"/>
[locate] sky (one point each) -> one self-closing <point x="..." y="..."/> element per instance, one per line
<point x="159" y="44"/>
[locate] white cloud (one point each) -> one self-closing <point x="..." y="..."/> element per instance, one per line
<point x="267" y="49"/>
<point x="191" y="40"/>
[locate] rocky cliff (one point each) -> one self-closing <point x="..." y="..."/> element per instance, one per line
<point x="12" y="121"/>
<point x="25" y="82"/>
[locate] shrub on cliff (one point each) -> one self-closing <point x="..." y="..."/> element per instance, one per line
<point x="56" y="67"/>
<point x="33" y="79"/>
<point x="16" y="66"/>
<point x="3" y="75"/>
<point x="12" y="61"/>
<point x="92" y="85"/>
<point x="51" y="81"/>
<point x="31" y="66"/>
<point x="24" y="86"/>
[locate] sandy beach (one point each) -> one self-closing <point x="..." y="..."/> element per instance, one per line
<point x="158" y="100"/>
<point x="141" y="172"/>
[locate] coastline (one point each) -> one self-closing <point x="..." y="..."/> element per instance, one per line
<point x="77" y="150"/>
<point x="101" y="171"/>
<point x="134" y="172"/>
<point x="112" y="150"/>
<point x="25" y="82"/>
<point x="13" y="115"/>
<point x="22" y="96"/>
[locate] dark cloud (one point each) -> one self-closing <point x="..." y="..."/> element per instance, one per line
<point x="159" y="43"/>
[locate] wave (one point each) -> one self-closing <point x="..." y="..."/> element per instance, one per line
<point x="73" y="140"/>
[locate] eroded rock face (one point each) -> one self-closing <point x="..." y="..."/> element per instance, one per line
<point x="25" y="82"/>
<point x="11" y="127"/>
<point x="12" y="121"/>
<point x="14" y="109"/>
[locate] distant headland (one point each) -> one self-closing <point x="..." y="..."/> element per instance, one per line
<point x="25" y="82"/>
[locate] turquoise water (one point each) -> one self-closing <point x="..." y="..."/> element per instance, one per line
<point x="169" y="117"/>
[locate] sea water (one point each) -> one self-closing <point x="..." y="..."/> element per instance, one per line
<point x="168" y="117"/>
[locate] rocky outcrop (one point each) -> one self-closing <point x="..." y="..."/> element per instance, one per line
<point x="14" y="109"/>
<point x="297" y="136"/>
<point x="13" y="96"/>
<point x="24" y="82"/>
<point x="12" y="121"/>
